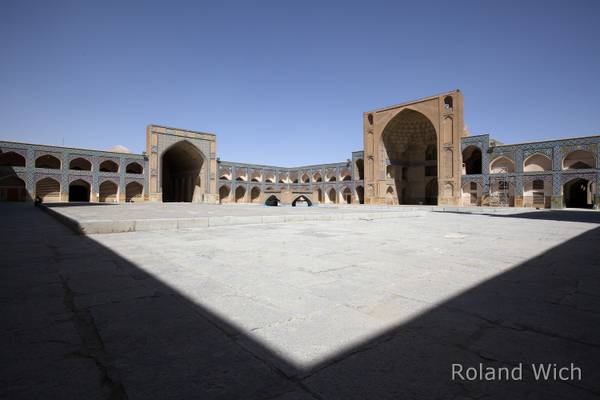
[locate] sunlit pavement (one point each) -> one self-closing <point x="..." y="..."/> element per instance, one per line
<point x="336" y="309"/>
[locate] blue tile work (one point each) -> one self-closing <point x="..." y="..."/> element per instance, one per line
<point x="30" y="174"/>
<point x="556" y="150"/>
<point x="339" y="170"/>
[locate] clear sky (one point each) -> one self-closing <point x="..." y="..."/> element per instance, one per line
<point x="286" y="82"/>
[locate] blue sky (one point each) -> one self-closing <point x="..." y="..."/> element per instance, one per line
<point x="285" y="82"/>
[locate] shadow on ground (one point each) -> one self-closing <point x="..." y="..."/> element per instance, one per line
<point x="80" y="321"/>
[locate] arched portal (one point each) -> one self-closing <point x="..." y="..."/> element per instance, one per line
<point x="408" y="140"/>
<point x="302" y="201"/>
<point x="79" y="190"/>
<point x="48" y="190"/>
<point x="108" y="192"/>
<point x="360" y="193"/>
<point x="320" y="195"/>
<point x="577" y="194"/>
<point x="272" y="201"/>
<point x="134" y="192"/>
<point x="471" y="156"/>
<point x="181" y="165"/>
<point x="12" y="188"/>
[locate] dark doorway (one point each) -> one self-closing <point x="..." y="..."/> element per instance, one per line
<point x="272" y="201"/>
<point x="472" y="160"/>
<point x="12" y="189"/>
<point x="302" y="201"/>
<point x="576" y="194"/>
<point x="360" y="166"/>
<point x="360" y="192"/>
<point x="79" y="191"/>
<point x="431" y="192"/>
<point x="181" y="165"/>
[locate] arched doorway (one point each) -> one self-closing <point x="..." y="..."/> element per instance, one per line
<point x="577" y="194"/>
<point x="108" y="192"/>
<point x="332" y="196"/>
<point x="471" y="194"/>
<point x="409" y="143"/>
<point x="360" y="193"/>
<point x="431" y="192"/>
<point x="134" y="192"/>
<point x="224" y="193"/>
<point x="12" y="188"/>
<point x="360" y="167"/>
<point x="471" y="156"/>
<point x="347" y="195"/>
<point x="272" y="201"/>
<point x="255" y="195"/>
<point x="180" y="170"/>
<point x="302" y="201"/>
<point x="48" y="190"/>
<point x="319" y="195"/>
<point x="79" y="191"/>
<point x="240" y="193"/>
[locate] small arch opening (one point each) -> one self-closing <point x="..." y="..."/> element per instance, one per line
<point x="134" y="168"/>
<point x="47" y="161"/>
<point x="108" y="166"/>
<point x="80" y="164"/>
<point x="11" y="159"/>
<point x="448" y="103"/>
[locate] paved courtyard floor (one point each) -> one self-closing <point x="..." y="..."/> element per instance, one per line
<point x="357" y="309"/>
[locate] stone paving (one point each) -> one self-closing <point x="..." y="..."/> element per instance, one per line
<point x="362" y="309"/>
<point x="94" y="218"/>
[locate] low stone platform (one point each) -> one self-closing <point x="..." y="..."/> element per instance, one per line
<point x="98" y="218"/>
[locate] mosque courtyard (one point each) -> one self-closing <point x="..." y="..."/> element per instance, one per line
<point x="359" y="303"/>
